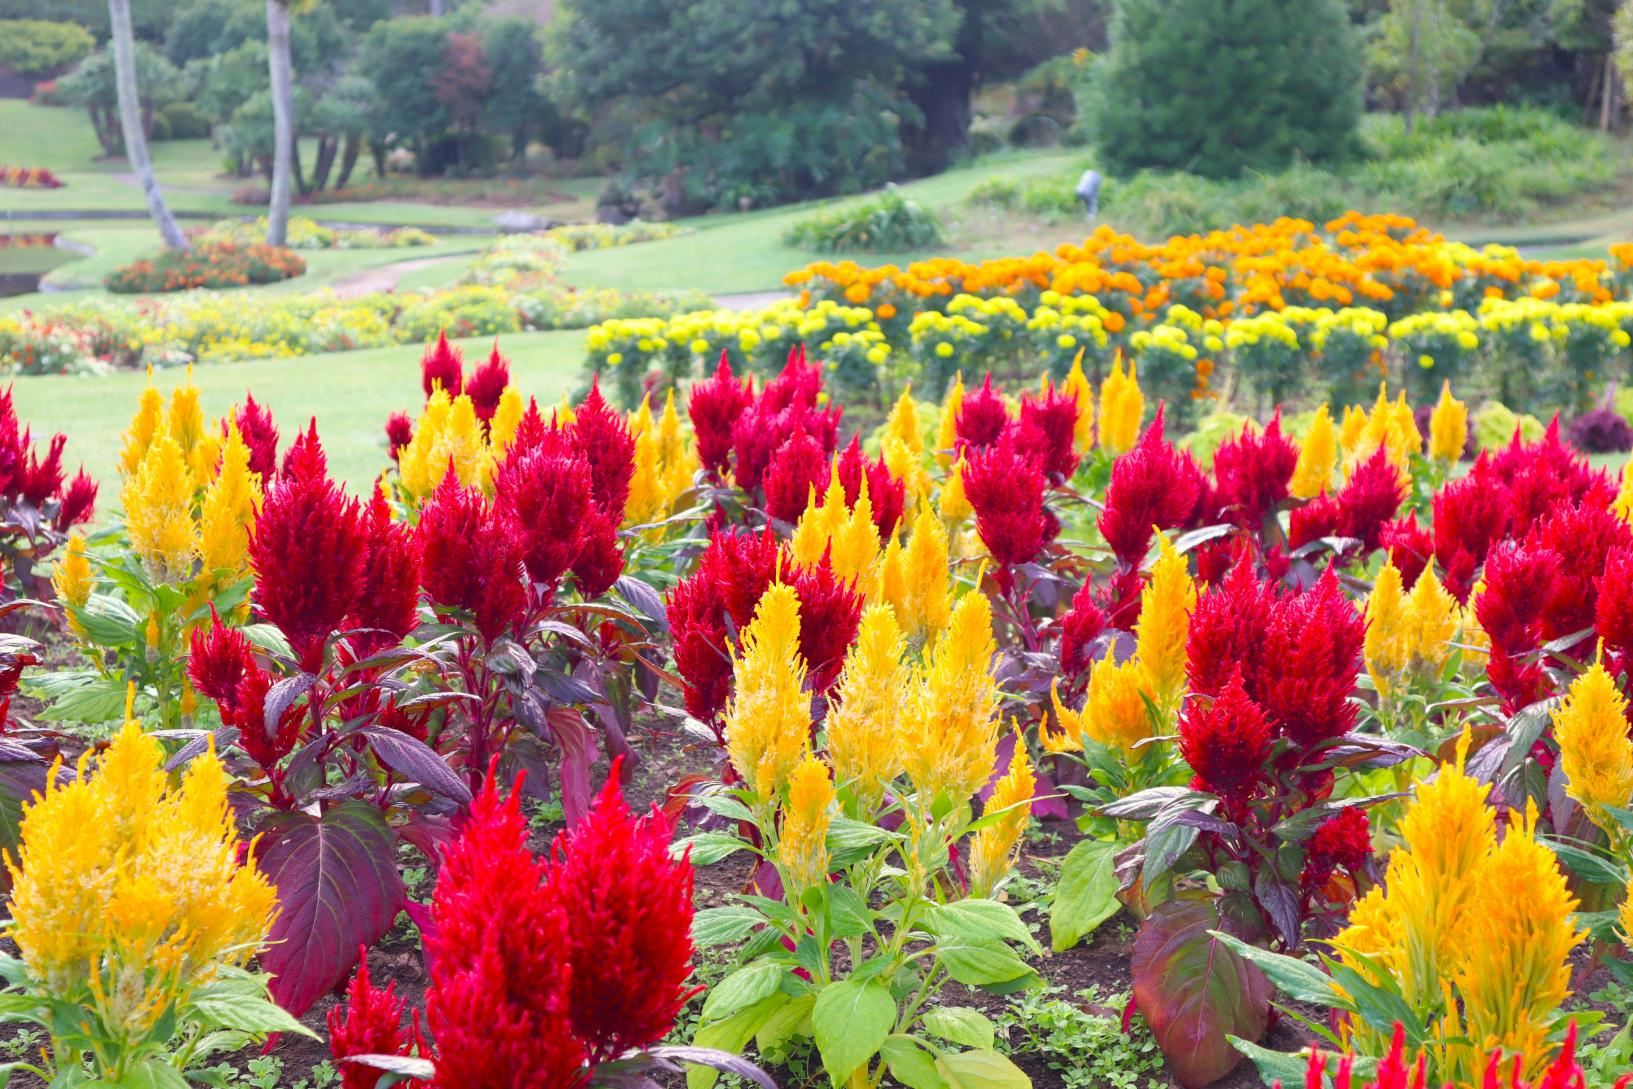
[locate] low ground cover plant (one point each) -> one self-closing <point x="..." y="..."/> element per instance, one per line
<point x="215" y="265"/>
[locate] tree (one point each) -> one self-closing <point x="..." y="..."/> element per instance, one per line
<point x="464" y="83"/>
<point x="699" y="95"/>
<point x="282" y="72"/>
<point x="130" y="119"/>
<point x="515" y="62"/>
<point x="94" y="85"/>
<point x="1216" y="89"/>
<point x="995" y="40"/>
<point x="401" y="57"/>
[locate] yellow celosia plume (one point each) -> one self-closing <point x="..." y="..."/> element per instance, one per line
<point x="228" y="509"/>
<point x="955" y="504"/>
<point x="1591" y="728"/>
<point x="1317" y="457"/>
<point x="864" y="738"/>
<point x="157" y="898"/>
<point x="1460" y="922"/>
<point x="1624" y="495"/>
<point x="846" y="534"/>
<point x="664" y="465"/>
<point x="951" y="724"/>
<point x="447" y="432"/>
<point x="1113" y="713"/>
<point x="1077" y="384"/>
<point x="947" y="426"/>
<point x="803" y="845"/>
<point x="1448" y="427"/>
<point x="158" y="501"/>
<point x="1122" y="408"/>
<point x="1166" y="604"/>
<point x="1390" y="426"/>
<point x="72" y="577"/>
<point x="1408" y="635"/>
<point x="993" y="847"/>
<point x="768" y="721"/>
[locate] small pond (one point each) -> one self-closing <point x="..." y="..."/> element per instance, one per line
<point x="22" y="267"/>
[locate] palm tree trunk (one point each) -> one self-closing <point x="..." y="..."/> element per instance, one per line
<point x="130" y="120"/>
<point x="283" y="120"/>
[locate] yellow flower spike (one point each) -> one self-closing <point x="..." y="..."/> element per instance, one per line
<point x="143" y="427"/>
<point x="1435" y="618"/>
<point x="185" y="420"/>
<point x="1072" y="726"/>
<point x="1594" y="749"/>
<point x="1122" y="408"/>
<point x="803" y="846"/>
<point x="1114" y="711"/>
<point x="992" y="848"/>
<point x="1448" y="427"/>
<point x="951" y="726"/>
<point x="646" y="486"/>
<point x="1317" y="457"/>
<point x="947" y="427"/>
<point x="864" y="740"/>
<point x="1077" y="384"/>
<point x="228" y="509"/>
<point x="1166" y="604"/>
<point x="955" y="504"/>
<point x="448" y="430"/>
<point x="72" y="577"/>
<point x="1624" y="495"/>
<point x="158" y="501"/>
<point x="672" y="444"/>
<point x="903" y="424"/>
<point x="1350" y="430"/>
<point x="768" y="720"/>
<point x="158" y="898"/>
<point x="1388" y="642"/>
<point x="1515" y="968"/>
<point x="507" y="420"/>
<point x="1624" y="917"/>
<point x="927" y="577"/>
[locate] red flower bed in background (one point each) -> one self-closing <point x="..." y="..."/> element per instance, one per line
<point x="223" y="264"/>
<point x="29" y="177"/>
<point x="21" y="241"/>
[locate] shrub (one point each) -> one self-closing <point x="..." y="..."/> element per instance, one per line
<point x="1290" y="89"/>
<point x="1601" y="430"/>
<point x="186" y="122"/>
<point x="39" y="46"/>
<point x="223" y="264"/>
<point x="889" y="223"/>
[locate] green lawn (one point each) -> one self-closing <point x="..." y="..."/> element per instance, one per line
<point x="350" y="393"/>
<point x="739" y="252"/>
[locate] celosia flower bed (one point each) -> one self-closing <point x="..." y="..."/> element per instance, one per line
<point x="29" y="239"/>
<point x="29" y="177"/>
<point x="1336" y="722"/>
<point x="208" y="264"/>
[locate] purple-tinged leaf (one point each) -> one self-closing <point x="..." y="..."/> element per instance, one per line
<point x="200" y="744"/>
<point x="281" y="697"/>
<point x="338" y="891"/>
<point x="724" y="1061"/>
<point x="577" y="742"/>
<point x="1195" y="991"/>
<point x="412" y="758"/>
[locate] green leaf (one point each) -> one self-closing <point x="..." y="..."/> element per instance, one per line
<point x="733" y="1035"/>
<point x="1086" y="895"/>
<point x="1297" y="979"/>
<point x="247" y="1013"/>
<point x="1588" y="865"/>
<point x="910" y="1064"/>
<point x="724" y="805"/>
<point x="724" y="925"/>
<point x="793" y="1019"/>
<point x="850" y="1021"/>
<point x="108" y="621"/>
<point x="741" y="989"/>
<point x="848" y="916"/>
<point x="153" y="1074"/>
<point x="1273" y="1066"/>
<point x="960" y="1025"/>
<point x="845" y="834"/>
<point x="981" y="1070"/>
<point x="978" y="963"/>
<point x="979" y="919"/>
<point x="707" y="847"/>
